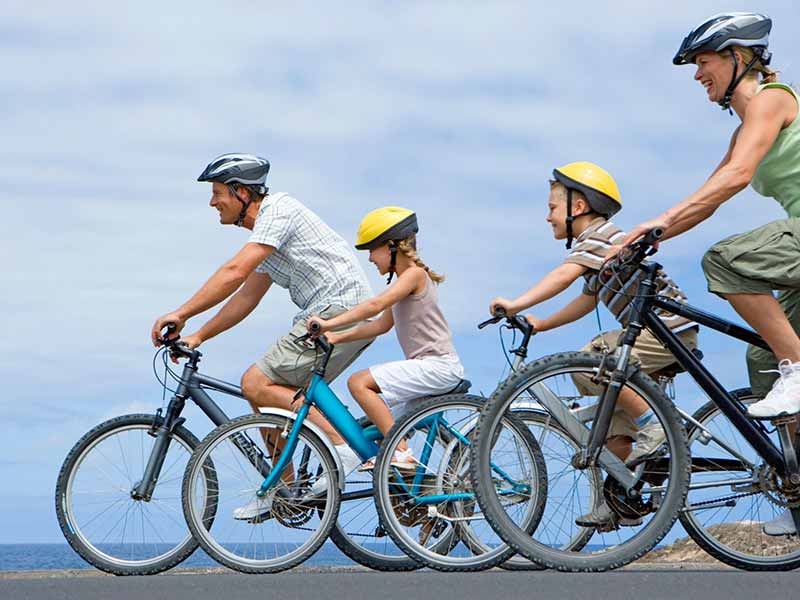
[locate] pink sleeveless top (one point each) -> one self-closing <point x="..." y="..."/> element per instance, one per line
<point x="421" y="327"/>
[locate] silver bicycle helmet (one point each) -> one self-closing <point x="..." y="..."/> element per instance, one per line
<point x="245" y="169"/>
<point x="727" y="30"/>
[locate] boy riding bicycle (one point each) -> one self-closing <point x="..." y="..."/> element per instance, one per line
<point x="583" y="197"/>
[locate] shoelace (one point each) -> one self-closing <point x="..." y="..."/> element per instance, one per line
<point x="785" y="369"/>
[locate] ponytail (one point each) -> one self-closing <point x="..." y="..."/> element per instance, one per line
<point x="408" y="247"/>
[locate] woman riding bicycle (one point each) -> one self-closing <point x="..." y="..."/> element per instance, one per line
<point x="731" y="54"/>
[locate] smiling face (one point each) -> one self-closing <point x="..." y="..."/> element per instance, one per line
<point x="557" y="209"/>
<point x="381" y="257"/>
<point x="226" y="203"/>
<point x="714" y="71"/>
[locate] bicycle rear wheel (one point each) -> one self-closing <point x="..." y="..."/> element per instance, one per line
<point x="430" y="510"/>
<point x="358" y="532"/>
<point x="731" y="493"/>
<point x="653" y="502"/>
<point x="100" y="519"/>
<point x="281" y="529"/>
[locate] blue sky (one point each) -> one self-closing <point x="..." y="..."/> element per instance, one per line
<point x="457" y="110"/>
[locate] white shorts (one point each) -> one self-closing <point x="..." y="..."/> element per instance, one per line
<point x="404" y="380"/>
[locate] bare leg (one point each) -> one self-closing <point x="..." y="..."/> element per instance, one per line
<point x="764" y="314"/>
<point x="632" y="403"/>
<point x="365" y="391"/>
<point x="261" y="391"/>
<point x="619" y="445"/>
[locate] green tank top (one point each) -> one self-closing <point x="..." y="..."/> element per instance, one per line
<point x="778" y="173"/>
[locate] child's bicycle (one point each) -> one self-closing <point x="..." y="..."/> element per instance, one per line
<point x="268" y="522"/>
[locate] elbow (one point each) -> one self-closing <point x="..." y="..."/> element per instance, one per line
<point x="374" y="307"/>
<point x="235" y="272"/>
<point x="739" y="177"/>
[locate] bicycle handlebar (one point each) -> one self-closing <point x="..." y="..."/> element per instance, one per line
<point x="634" y="253"/>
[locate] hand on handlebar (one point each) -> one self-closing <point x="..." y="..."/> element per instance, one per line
<point x="316" y="325"/>
<point x="170" y="321"/>
<point x="501" y="305"/>
<point x="643" y="229"/>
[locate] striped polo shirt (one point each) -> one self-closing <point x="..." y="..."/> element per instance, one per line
<point x="590" y="249"/>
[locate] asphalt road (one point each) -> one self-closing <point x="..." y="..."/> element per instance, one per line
<point x="633" y="584"/>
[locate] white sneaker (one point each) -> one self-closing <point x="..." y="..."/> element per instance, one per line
<point x="781" y="525"/>
<point x="784" y="397"/>
<point x="350" y="462"/>
<point x="257" y="508"/>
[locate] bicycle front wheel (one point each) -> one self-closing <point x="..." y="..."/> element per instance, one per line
<point x="274" y="532"/>
<point x="99" y="517"/>
<point x="639" y="516"/>
<point x="431" y="511"/>
<point x="732" y="492"/>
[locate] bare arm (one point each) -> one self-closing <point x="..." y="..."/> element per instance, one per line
<point x="222" y="284"/>
<point x="409" y="282"/>
<point x="552" y="284"/>
<point x="366" y="331"/>
<point x="579" y="307"/>
<point x="766" y="115"/>
<point x="238" y="307"/>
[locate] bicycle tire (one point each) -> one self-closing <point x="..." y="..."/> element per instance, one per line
<point x="72" y="531"/>
<point x="520" y="540"/>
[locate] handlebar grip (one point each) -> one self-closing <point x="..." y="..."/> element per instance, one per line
<point x="653" y="236"/>
<point x="498" y="311"/>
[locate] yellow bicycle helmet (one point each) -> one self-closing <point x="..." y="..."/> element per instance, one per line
<point x="389" y="224"/>
<point x="595" y="183"/>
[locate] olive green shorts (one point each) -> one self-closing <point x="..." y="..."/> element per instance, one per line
<point x="648" y="352"/>
<point x="761" y="261"/>
<point x="291" y="364"/>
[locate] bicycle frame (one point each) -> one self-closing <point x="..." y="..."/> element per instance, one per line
<point x="190" y="387"/>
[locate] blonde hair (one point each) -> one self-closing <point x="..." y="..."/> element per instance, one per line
<point x="408" y="247"/>
<point x="747" y="54"/>
<point x="576" y="194"/>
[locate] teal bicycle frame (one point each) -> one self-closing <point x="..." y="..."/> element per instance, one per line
<point x="363" y="439"/>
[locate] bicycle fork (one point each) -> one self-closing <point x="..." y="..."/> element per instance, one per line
<point x="162" y="430"/>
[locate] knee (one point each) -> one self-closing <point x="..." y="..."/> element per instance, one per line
<point x="713" y="261"/>
<point x="359" y="381"/>
<point x="254" y="382"/>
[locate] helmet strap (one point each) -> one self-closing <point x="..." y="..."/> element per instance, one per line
<point x="725" y="103"/>
<point x="392" y="261"/>
<point x="570" y="218"/>
<point x="245" y="205"/>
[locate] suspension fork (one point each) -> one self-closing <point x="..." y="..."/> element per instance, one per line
<point x="162" y="429"/>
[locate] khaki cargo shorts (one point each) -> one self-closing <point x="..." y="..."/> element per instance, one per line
<point x="291" y="364"/>
<point x="761" y="261"/>
<point x="648" y="352"/>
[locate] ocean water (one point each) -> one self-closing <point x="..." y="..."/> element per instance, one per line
<point x="36" y="557"/>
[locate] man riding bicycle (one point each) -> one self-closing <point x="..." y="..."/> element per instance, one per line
<point x="289" y="246"/>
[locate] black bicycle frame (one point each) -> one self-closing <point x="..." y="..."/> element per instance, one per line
<point x="642" y="312"/>
<point x="189" y="387"/>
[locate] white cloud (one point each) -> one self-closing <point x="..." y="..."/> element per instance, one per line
<point x="459" y="110"/>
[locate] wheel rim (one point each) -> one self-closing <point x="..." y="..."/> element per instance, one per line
<point x="609" y="547"/>
<point x="276" y="541"/>
<point x="740" y="525"/>
<point x="451" y="465"/>
<point x="122" y="478"/>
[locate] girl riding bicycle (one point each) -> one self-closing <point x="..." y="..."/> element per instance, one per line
<point x="411" y="306"/>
